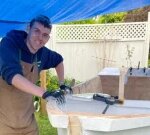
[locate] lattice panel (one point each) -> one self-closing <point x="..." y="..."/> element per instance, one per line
<point x="119" y="31"/>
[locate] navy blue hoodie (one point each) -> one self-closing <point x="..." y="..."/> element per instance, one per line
<point x="13" y="49"/>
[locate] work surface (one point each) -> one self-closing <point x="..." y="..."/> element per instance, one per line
<point x="80" y="104"/>
<point x="83" y="114"/>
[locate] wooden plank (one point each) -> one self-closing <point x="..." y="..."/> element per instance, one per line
<point x="74" y="126"/>
<point x="43" y="85"/>
<point x="123" y="72"/>
<point x="90" y="86"/>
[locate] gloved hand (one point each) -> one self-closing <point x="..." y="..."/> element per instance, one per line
<point x="58" y="95"/>
<point x="66" y="89"/>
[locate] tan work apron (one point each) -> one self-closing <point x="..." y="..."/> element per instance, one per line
<point x="16" y="106"/>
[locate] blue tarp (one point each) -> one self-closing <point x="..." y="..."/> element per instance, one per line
<point x="14" y="14"/>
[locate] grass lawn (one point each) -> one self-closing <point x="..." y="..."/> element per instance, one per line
<point x="44" y="125"/>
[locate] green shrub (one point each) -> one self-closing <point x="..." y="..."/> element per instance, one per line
<point x="53" y="83"/>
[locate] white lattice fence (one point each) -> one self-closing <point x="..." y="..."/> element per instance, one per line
<point x="121" y="31"/>
<point x="87" y="49"/>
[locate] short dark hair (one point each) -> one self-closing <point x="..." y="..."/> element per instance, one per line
<point x="42" y="19"/>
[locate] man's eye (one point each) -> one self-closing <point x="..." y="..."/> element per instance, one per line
<point x="37" y="31"/>
<point x="45" y="35"/>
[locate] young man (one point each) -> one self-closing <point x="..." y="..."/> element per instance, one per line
<point x="22" y="57"/>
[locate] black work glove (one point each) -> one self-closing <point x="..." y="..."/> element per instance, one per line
<point x="58" y="95"/>
<point x="66" y="89"/>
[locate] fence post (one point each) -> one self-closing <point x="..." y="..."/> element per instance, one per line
<point x="43" y="85"/>
<point x="148" y="35"/>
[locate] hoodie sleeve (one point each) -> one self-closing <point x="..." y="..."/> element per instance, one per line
<point x="9" y="60"/>
<point x="50" y="59"/>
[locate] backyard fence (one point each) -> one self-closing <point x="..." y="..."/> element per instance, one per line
<point x="87" y="49"/>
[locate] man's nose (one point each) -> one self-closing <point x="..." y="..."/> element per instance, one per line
<point x="40" y="36"/>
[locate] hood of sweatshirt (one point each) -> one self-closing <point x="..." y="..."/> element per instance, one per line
<point x="18" y="38"/>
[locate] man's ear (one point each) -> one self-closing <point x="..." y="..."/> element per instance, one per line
<point x="28" y="28"/>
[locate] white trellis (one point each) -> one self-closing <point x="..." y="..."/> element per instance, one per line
<point x="87" y="49"/>
<point x="121" y="31"/>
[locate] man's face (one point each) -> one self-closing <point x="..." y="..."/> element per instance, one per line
<point x="38" y="36"/>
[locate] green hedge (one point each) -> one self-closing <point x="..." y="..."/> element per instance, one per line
<point x="53" y="83"/>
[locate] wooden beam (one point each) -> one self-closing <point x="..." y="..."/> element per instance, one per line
<point x="123" y="72"/>
<point x="43" y="85"/>
<point x="74" y="125"/>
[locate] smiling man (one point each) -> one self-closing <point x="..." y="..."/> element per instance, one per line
<point x="22" y="57"/>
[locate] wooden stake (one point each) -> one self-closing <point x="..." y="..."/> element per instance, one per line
<point x="43" y="85"/>
<point x="74" y="127"/>
<point x="121" y="84"/>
